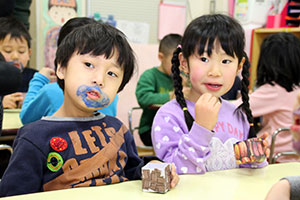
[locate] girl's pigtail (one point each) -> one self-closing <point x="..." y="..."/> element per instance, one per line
<point x="177" y="81"/>
<point x="244" y="92"/>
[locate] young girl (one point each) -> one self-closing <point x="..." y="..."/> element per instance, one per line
<point x="197" y="130"/>
<point x="277" y="87"/>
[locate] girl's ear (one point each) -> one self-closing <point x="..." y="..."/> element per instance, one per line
<point x="60" y="72"/>
<point x="183" y="63"/>
<point x="240" y="67"/>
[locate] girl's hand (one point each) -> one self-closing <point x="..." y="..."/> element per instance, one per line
<point x="174" y="175"/>
<point x="266" y="144"/>
<point x="210" y="105"/>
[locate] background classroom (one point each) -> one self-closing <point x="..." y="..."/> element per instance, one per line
<point x="148" y="13"/>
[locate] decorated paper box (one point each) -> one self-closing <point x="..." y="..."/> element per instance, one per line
<point x="156" y="177"/>
<point x="249" y="151"/>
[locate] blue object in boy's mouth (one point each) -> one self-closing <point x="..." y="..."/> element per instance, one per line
<point x="101" y="102"/>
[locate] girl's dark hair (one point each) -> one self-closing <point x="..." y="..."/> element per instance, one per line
<point x="97" y="39"/>
<point x="11" y="26"/>
<point x="205" y="30"/>
<point x="279" y="61"/>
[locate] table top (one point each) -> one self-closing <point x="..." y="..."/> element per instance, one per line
<point x="11" y="119"/>
<point x="227" y="184"/>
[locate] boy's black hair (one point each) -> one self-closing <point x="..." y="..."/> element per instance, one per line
<point x="97" y="39"/>
<point x="169" y="43"/>
<point x="205" y="30"/>
<point x="69" y="26"/>
<point x="279" y="61"/>
<point x="11" y="26"/>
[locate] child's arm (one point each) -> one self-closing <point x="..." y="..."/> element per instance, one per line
<point x="135" y="163"/>
<point x="25" y="170"/>
<point x="146" y="93"/>
<point x="11" y="101"/>
<point x="287" y="188"/>
<point x="173" y="143"/>
<point x="34" y="99"/>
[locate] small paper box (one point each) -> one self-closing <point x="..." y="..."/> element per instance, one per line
<point x="156" y="177"/>
<point x="249" y="151"/>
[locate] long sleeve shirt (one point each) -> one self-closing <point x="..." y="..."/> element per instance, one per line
<point x="199" y="150"/>
<point x="60" y="152"/>
<point x="153" y="87"/>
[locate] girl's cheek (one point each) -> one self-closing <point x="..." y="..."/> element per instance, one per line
<point x="195" y="76"/>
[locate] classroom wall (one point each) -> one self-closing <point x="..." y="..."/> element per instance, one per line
<point x="148" y="11"/>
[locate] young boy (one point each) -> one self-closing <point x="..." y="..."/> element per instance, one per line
<point x="155" y="86"/>
<point x="45" y="98"/>
<point x="77" y="147"/>
<point x="15" y="47"/>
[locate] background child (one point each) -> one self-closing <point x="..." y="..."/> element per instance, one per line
<point x="15" y="47"/>
<point x="288" y="187"/>
<point x="77" y="147"/>
<point x="277" y="87"/>
<point x="212" y="55"/>
<point x="44" y="98"/>
<point x="155" y="86"/>
<point x="10" y="81"/>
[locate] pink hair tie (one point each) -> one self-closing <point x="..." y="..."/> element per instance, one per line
<point x="179" y="46"/>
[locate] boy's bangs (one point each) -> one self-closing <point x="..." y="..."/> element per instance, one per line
<point x="106" y="46"/>
<point x="91" y="47"/>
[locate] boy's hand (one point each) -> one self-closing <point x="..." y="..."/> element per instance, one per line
<point x="49" y="73"/>
<point x="266" y="144"/>
<point x="174" y="175"/>
<point x="11" y="101"/>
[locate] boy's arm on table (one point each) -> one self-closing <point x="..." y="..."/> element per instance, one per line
<point x="285" y="189"/>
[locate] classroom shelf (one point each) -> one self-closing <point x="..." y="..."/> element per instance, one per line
<point x="257" y="37"/>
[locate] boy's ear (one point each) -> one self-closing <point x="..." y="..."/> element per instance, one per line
<point x="240" y="67"/>
<point x="160" y="56"/>
<point x="60" y="72"/>
<point x="183" y="63"/>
